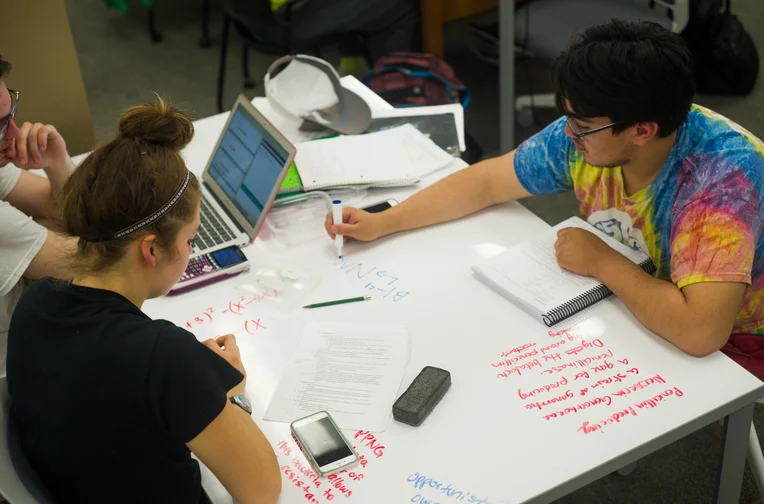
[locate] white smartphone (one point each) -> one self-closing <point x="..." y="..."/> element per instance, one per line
<point x="323" y="444"/>
<point x="380" y="207"/>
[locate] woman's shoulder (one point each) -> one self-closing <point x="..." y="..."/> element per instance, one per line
<point x="43" y="286"/>
<point x="177" y="344"/>
<point x="172" y="335"/>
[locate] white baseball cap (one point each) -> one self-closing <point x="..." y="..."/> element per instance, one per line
<point x="309" y="88"/>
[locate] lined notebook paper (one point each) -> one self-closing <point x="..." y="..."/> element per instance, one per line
<point x="393" y="157"/>
<point x="530" y="276"/>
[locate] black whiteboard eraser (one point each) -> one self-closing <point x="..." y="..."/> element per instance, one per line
<point x="424" y="393"/>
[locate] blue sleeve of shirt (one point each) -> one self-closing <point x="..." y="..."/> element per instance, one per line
<point x="542" y="162"/>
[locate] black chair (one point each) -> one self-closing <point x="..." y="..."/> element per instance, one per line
<point x="19" y="482"/>
<point x="263" y="30"/>
<point x="155" y="36"/>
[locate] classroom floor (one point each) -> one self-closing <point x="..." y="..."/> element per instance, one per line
<point x="121" y="68"/>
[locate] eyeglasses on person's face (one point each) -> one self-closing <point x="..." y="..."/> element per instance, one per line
<point x="578" y="132"/>
<point x="581" y="134"/>
<point x="6" y="121"/>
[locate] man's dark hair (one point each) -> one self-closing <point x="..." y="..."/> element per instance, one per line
<point x="5" y="68"/>
<point x="632" y="72"/>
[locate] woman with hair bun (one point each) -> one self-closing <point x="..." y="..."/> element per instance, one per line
<point x="110" y="404"/>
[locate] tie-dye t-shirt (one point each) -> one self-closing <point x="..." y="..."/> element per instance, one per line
<point x="700" y="220"/>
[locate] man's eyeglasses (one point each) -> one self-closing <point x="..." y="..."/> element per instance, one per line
<point x="581" y="134"/>
<point x="574" y="128"/>
<point x="6" y="121"/>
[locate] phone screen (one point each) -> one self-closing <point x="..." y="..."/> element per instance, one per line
<point x="379" y="207"/>
<point x="322" y="440"/>
<point x="227" y="257"/>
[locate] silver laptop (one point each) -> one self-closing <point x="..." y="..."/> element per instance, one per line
<point x="241" y="180"/>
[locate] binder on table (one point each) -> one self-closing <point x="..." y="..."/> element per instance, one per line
<point x="530" y="276"/>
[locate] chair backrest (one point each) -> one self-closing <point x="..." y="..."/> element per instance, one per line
<point x="19" y="483"/>
<point x="680" y="10"/>
<point x="546" y="27"/>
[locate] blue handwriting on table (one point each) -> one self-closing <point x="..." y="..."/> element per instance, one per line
<point x="447" y="491"/>
<point x="375" y="279"/>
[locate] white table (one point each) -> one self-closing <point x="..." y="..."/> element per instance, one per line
<point x="482" y="443"/>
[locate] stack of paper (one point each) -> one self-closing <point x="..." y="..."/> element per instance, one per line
<point x="393" y="157"/>
<point x="351" y="371"/>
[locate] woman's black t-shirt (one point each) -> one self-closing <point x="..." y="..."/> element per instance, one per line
<point x="105" y="398"/>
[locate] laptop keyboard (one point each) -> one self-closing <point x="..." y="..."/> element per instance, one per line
<point x="213" y="231"/>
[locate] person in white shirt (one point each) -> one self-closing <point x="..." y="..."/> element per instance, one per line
<point x="28" y="251"/>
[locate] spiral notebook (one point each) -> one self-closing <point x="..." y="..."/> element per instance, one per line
<point x="529" y="275"/>
<point x="397" y="156"/>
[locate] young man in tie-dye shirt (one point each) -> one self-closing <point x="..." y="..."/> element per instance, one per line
<point x="670" y="178"/>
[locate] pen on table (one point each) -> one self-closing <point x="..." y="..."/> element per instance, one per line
<point x="339" y="301"/>
<point x="339" y="240"/>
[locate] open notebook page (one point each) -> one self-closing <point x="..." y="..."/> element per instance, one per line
<point x="396" y="156"/>
<point x="530" y="273"/>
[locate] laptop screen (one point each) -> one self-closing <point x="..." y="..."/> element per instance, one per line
<point x="247" y="164"/>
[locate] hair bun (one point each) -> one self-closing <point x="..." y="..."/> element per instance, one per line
<point x="158" y="123"/>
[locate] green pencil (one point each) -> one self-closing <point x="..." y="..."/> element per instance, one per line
<point x="339" y="301"/>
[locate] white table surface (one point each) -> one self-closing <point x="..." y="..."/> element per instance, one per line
<point x="482" y="439"/>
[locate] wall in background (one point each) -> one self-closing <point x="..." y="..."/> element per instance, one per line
<point x="37" y="40"/>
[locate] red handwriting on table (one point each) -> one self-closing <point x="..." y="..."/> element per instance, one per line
<point x="642" y="384"/>
<point x="258" y="298"/>
<point x="284" y="447"/>
<point x="295" y="479"/>
<point x="580" y="363"/>
<point x="605" y="366"/>
<point x="655" y="401"/>
<point x="519" y="369"/>
<point x="206" y="316"/>
<point x="543" y="404"/>
<point x="616" y="378"/>
<point x="516" y="350"/>
<point x="630" y="411"/>
<point x="236" y="307"/>
<point x="513" y="360"/>
<point x="587" y="428"/>
<point x="584" y="366"/>
<point x="315" y="490"/>
<point x="253" y="325"/>
<point x="295" y="470"/>
<point x="606" y="400"/>
<point x="570" y="333"/>
<point x="368" y="439"/>
<point x="544" y="388"/>
<point x="344" y="480"/>
<point x="584" y="345"/>
<point x="552" y="346"/>
<point x="338" y="482"/>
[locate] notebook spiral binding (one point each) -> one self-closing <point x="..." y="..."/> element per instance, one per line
<point x="588" y="298"/>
